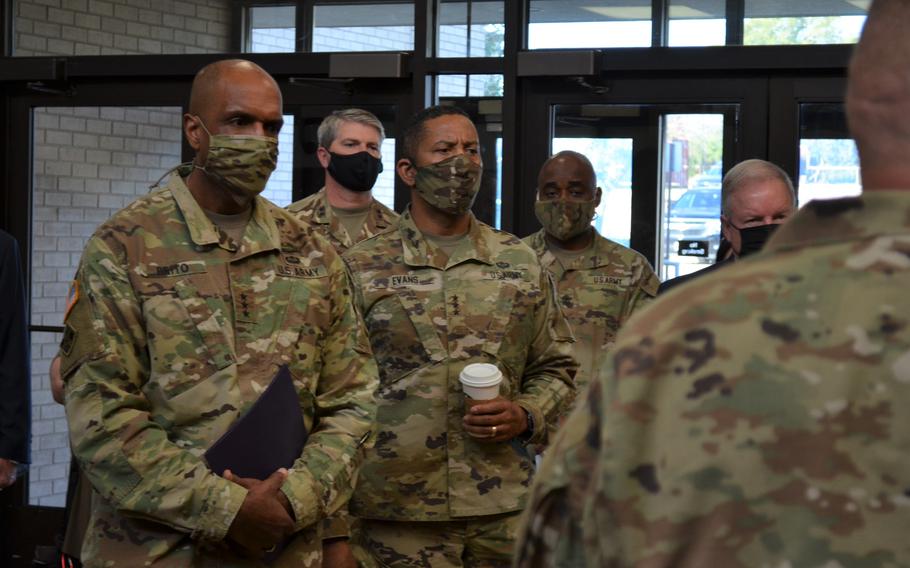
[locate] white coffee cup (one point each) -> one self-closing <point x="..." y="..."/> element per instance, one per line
<point x="480" y="381"/>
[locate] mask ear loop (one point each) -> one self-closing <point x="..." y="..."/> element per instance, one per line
<point x="178" y="166"/>
<point x="165" y="174"/>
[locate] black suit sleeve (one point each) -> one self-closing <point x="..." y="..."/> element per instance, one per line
<point x="15" y="389"/>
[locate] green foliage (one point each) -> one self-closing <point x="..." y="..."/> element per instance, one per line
<point x="790" y="31"/>
<point x="494" y="41"/>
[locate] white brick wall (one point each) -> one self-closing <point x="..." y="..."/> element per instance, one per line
<point x="90" y="162"/>
<point x="120" y="27"/>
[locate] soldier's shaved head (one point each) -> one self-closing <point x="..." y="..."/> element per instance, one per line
<point x="878" y="94"/>
<point x="567" y="157"/>
<point x="211" y="80"/>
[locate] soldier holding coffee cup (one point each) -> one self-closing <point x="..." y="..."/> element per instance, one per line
<point x="474" y="359"/>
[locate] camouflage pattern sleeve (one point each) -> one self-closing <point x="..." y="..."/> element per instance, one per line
<point x="643" y="290"/>
<point x="127" y="456"/>
<point x="548" y="387"/>
<point x="552" y="531"/>
<point x="322" y="479"/>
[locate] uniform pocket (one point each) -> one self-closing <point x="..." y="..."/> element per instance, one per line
<point x="187" y="339"/>
<point x="402" y="335"/>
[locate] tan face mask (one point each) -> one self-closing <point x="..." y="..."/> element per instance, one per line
<point x="565" y="219"/>
<point x="240" y="162"/>
<point x="450" y="185"/>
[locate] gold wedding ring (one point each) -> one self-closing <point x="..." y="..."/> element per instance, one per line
<point x="493" y="435"/>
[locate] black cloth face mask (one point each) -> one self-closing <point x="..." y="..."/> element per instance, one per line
<point x="357" y="172"/>
<point x="752" y="239"/>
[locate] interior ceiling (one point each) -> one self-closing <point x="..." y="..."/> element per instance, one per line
<point x="552" y="11"/>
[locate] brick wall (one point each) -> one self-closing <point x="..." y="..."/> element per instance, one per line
<point x="120" y="27"/>
<point x="90" y="162"/>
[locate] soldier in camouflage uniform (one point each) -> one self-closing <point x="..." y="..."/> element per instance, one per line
<point x="174" y="328"/>
<point x="759" y="419"/>
<point x="443" y="486"/>
<point x="599" y="283"/>
<point x="344" y="211"/>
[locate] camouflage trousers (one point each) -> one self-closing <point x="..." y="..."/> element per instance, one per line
<point x="486" y="542"/>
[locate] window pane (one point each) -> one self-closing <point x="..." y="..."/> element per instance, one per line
<point x="272" y="29"/>
<point x="697" y="22"/>
<point x="690" y="196"/>
<point x="384" y="189"/>
<point x="89" y="162"/>
<point x="612" y="161"/>
<point x="485" y="36"/>
<point x="828" y="161"/>
<point x="364" y="27"/>
<point x="563" y="24"/>
<point x="469" y="85"/>
<point x="780" y="22"/>
<point x="279" y="189"/>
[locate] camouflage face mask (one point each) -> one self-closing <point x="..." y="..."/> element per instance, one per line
<point x="450" y="185"/>
<point x="565" y="219"/>
<point x="242" y="163"/>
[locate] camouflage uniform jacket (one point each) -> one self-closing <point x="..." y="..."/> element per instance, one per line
<point x="174" y="332"/>
<point x="428" y="316"/>
<point x="316" y="211"/>
<point x="597" y="294"/>
<point x="757" y="419"/>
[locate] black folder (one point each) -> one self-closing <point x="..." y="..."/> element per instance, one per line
<point x="271" y="435"/>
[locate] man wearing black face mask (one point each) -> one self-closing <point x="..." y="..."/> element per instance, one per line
<point x="344" y="211"/>
<point x="756" y="197"/>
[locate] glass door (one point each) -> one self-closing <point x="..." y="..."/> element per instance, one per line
<point x="660" y="169"/>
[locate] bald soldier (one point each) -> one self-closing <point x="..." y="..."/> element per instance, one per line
<point x="600" y="283"/>
<point x="184" y="305"/>
<point x="760" y="417"/>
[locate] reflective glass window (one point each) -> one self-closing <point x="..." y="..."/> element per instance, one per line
<point x="469" y="85"/>
<point x="697" y="22"/>
<point x="271" y="29"/>
<point x="783" y="22"/>
<point x="564" y="24"/>
<point x="363" y="27"/>
<point x="280" y="186"/>
<point x="384" y="189"/>
<point x="470" y="29"/>
<point x="828" y="161"/>
<point x="690" y="192"/>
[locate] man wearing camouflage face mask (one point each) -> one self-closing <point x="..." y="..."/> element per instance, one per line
<point x="600" y="283"/>
<point x="445" y="482"/>
<point x="184" y="305"/>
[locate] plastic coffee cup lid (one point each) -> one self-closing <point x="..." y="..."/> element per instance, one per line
<point x="480" y="375"/>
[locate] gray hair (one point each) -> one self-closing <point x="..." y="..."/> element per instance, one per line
<point x="328" y="130"/>
<point x="748" y="171"/>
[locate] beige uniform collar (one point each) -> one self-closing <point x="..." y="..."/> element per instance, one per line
<point x="376" y="220"/>
<point x="261" y="232"/>
<point x="418" y="251"/>
<point x="596" y="256"/>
